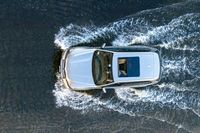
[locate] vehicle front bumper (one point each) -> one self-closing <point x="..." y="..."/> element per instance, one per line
<point x="63" y="63"/>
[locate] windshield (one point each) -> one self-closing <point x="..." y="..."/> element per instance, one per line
<point x="102" y="67"/>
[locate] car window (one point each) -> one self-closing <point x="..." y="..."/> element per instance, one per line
<point x="102" y="67"/>
<point x="129" y="67"/>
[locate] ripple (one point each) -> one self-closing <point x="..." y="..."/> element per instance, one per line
<point x="178" y="40"/>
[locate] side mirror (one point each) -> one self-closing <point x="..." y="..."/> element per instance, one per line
<point x="107" y="88"/>
<point x="104" y="90"/>
<point x="103" y="45"/>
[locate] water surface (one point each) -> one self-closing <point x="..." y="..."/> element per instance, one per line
<point x="32" y="98"/>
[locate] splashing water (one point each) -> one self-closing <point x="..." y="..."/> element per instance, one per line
<point x="133" y="31"/>
<point x="178" y="41"/>
<point x="73" y="99"/>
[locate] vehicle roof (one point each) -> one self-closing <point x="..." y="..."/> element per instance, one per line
<point x="149" y="66"/>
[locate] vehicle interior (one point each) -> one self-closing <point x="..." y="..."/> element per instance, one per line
<point x="102" y="67"/>
<point x="129" y="67"/>
<point x="122" y="72"/>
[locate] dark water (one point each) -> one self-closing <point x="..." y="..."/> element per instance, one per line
<point x="32" y="98"/>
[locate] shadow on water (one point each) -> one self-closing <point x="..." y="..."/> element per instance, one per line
<point x="56" y="60"/>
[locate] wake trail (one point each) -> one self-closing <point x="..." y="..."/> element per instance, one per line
<point x="177" y="38"/>
<point x="132" y="102"/>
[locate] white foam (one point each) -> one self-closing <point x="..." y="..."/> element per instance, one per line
<point x="76" y="100"/>
<point x="73" y="34"/>
<point x="170" y="36"/>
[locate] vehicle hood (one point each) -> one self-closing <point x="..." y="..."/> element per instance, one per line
<point x="79" y="68"/>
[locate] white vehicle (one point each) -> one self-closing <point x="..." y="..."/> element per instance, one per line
<point x="86" y="68"/>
